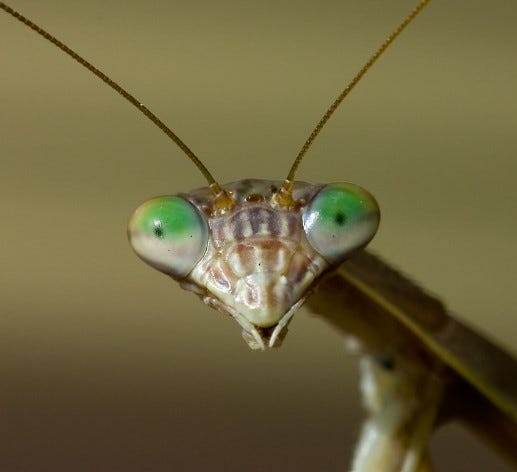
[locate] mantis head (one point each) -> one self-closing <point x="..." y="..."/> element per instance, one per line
<point x="257" y="260"/>
<point x="254" y="249"/>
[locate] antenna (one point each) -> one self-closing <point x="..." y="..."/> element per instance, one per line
<point x="284" y="194"/>
<point x="222" y="199"/>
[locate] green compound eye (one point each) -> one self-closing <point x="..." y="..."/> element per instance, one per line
<point x="340" y="219"/>
<point x="170" y="234"/>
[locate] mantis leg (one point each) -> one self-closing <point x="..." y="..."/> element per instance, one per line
<point x="402" y="411"/>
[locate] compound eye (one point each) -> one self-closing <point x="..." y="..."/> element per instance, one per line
<point x="340" y="219"/>
<point x="170" y="234"/>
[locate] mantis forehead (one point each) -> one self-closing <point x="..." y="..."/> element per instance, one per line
<point x="248" y="191"/>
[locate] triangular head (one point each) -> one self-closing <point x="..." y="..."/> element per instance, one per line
<point x="258" y="260"/>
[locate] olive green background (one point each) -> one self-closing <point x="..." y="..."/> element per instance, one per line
<point x="107" y="365"/>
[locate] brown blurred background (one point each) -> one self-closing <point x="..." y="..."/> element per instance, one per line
<point x="107" y="365"/>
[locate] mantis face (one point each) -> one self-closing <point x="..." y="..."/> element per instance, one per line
<point x="258" y="260"/>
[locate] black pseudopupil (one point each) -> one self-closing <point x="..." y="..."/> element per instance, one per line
<point x="340" y="218"/>
<point x="158" y="232"/>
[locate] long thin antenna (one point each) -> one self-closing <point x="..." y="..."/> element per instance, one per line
<point x="216" y="189"/>
<point x="346" y="91"/>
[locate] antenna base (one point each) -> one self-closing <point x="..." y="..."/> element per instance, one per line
<point x="284" y="196"/>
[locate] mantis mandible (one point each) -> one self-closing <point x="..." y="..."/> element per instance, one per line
<point x="258" y="340"/>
